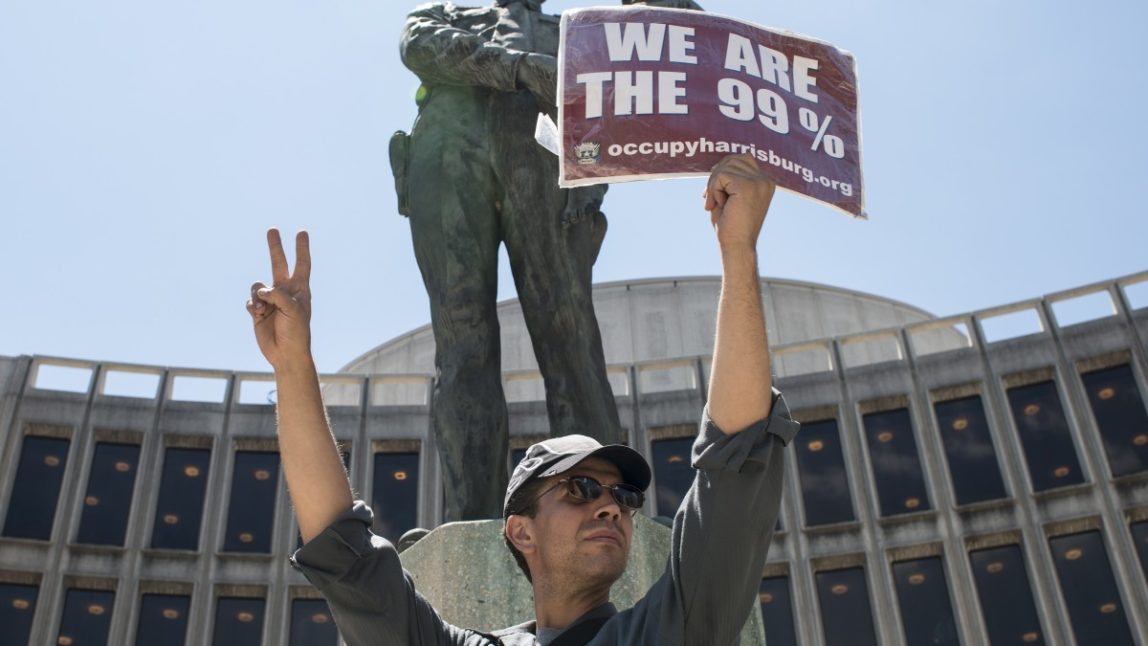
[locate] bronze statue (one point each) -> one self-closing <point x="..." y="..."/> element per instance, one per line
<point x="470" y="177"/>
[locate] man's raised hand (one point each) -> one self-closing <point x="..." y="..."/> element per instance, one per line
<point x="281" y="313"/>
<point x="737" y="196"/>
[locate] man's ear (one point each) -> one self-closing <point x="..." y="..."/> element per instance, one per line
<point x="520" y="531"/>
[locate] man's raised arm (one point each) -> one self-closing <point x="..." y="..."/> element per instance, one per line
<point x="281" y="313"/>
<point x="740" y="389"/>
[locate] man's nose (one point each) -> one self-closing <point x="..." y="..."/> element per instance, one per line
<point x="611" y="509"/>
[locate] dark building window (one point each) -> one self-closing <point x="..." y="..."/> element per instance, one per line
<point x="821" y="467"/>
<point x="1120" y="416"/>
<point x="312" y="624"/>
<point x="1140" y="536"/>
<point x="1094" y="607"/>
<point x="1005" y="596"/>
<point x="1044" y="434"/>
<point x="17" y="606"/>
<point x="251" y="511"/>
<point x="238" y="622"/>
<point x="896" y="465"/>
<point x="516" y="456"/>
<point x="37" y="488"/>
<point x="108" y="501"/>
<point x="923" y="595"/>
<point x="395" y="494"/>
<point x="969" y="449"/>
<point x="673" y="473"/>
<point x="87" y="618"/>
<point x="181" y="494"/>
<point x="777" y="611"/>
<point x="163" y="620"/>
<point x="846" y="616"/>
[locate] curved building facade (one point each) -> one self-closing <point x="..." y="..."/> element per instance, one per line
<point x="667" y="318"/>
<point x="981" y="478"/>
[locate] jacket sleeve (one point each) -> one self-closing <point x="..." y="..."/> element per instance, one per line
<point x="372" y="598"/>
<point x="723" y="528"/>
<point x="435" y="48"/>
<point x="719" y="540"/>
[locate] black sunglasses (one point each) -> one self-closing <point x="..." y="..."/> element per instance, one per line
<point x="585" y="489"/>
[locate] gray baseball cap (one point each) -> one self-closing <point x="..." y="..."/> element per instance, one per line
<point x="560" y="454"/>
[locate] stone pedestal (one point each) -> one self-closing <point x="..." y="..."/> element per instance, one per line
<point x="466" y="571"/>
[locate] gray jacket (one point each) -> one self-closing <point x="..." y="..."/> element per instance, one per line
<point x="720" y="537"/>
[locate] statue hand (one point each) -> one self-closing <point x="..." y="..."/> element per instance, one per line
<point x="583" y="202"/>
<point x="281" y="313"/>
<point x="539" y="74"/>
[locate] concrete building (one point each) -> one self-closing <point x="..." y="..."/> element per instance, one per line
<point x="976" y="478"/>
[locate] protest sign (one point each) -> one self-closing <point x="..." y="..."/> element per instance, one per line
<point x="650" y="93"/>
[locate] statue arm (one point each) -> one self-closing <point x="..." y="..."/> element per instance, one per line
<point x="438" y="51"/>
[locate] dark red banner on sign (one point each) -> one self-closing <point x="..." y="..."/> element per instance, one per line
<point x="650" y="93"/>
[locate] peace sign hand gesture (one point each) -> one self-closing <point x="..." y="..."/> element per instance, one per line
<point x="281" y="313"/>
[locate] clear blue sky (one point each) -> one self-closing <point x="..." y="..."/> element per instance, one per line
<point x="145" y="147"/>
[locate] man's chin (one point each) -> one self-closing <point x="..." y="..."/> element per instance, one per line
<point x="609" y="564"/>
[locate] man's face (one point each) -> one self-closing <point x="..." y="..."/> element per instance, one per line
<point x="583" y="543"/>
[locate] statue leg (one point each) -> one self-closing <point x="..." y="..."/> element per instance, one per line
<point x="454" y="227"/>
<point x="552" y="266"/>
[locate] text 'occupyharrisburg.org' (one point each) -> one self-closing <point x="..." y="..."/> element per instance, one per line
<point x="703" y="145"/>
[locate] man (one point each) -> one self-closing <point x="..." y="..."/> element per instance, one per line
<point x="471" y="177"/>
<point x="569" y="505"/>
